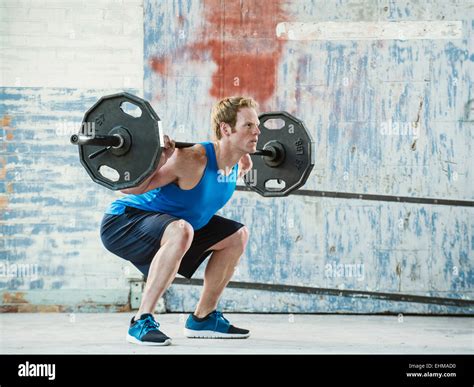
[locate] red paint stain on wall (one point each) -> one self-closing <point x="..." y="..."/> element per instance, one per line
<point x="181" y="20"/>
<point x="14" y="298"/>
<point x="5" y="122"/>
<point x="240" y="38"/>
<point x="240" y="72"/>
<point x="3" y="168"/>
<point x="158" y="65"/>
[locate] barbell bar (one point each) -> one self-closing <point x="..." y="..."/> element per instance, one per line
<point x="117" y="141"/>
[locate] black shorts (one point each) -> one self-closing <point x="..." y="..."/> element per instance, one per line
<point x="136" y="236"/>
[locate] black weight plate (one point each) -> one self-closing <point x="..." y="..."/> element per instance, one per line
<point x="135" y="165"/>
<point x="299" y="156"/>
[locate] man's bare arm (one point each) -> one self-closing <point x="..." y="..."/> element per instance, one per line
<point x="163" y="173"/>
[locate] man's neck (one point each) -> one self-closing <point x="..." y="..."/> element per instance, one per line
<point x="226" y="156"/>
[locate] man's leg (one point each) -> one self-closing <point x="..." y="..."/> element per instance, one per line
<point x="175" y="242"/>
<point x="219" y="270"/>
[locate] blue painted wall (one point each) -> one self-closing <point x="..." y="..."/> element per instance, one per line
<point x="51" y="258"/>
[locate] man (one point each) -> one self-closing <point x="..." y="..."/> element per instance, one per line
<point x="167" y="225"/>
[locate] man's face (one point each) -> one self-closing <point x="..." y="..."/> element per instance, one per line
<point x="246" y="132"/>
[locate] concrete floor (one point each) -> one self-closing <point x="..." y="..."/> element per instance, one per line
<point x="319" y="334"/>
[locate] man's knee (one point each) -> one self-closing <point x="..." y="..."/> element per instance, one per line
<point x="181" y="234"/>
<point x="242" y="237"/>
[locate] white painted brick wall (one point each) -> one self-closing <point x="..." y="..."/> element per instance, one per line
<point x="71" y="43"/>
<point x="57" y="58"/>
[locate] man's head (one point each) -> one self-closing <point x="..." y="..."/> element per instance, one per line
<point x="235" y="119"/>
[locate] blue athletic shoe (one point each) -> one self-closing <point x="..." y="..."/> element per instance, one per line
<point x="213" y="326"/>
<point x="145" y="332"/>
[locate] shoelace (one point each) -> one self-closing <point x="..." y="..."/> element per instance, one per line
<point x="220" y="315"/>
<point x="149" y="325"/>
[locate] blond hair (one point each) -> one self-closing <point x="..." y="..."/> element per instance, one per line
<point x="226" y="111"/>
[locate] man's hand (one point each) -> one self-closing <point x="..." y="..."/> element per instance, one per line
<point x="245" y="164"/>
<point x="167" y="151"/>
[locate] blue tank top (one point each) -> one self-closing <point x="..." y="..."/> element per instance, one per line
<point x="197" y="205"/>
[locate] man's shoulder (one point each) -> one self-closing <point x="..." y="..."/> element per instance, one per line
<point x="193" y="154"/>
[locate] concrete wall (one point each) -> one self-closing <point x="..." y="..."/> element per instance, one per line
<point x="58" y="58"/>
<point x="386" y="88"/>
<point x="352" y="92"/>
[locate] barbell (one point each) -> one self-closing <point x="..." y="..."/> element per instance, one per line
<point x="120" y="144"/>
